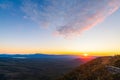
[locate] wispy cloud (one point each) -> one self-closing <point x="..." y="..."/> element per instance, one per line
<point x="3" y="6"/>
<point x="70" y="17"/>
<point x="6" y="4"/>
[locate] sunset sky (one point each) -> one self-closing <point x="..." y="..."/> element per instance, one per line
<point x="60" y="26"/>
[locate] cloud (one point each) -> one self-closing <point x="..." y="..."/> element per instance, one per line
<point x="70" y="17"/>
<point x="6" y="4"/>
<point x="3" y="6"/>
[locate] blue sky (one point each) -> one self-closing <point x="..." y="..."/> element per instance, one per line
<point x="59" y="26"/>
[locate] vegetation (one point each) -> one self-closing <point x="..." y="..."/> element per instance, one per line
<point x="53" y="68"/>
<point x="35" y="68"/>
<point x="95" y="70"/>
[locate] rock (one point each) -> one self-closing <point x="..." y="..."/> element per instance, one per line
<point x="113" y="69"/>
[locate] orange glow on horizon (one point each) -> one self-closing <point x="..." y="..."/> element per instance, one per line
<point x="58" y="52"/>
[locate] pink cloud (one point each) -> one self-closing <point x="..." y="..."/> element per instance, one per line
<point x="70" y="17"/>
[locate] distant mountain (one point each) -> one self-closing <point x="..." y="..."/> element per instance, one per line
<point x="35" y="68"/>
<point x="102" y="68"/>
<point x="38" y="55"/>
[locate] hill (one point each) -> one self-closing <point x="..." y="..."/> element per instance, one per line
<point x="37" y="67"/>
<point x="37" y="55"/>
<point x="102" y="68"/>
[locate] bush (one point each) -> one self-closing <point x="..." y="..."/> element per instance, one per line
<point x="117" y="63"/>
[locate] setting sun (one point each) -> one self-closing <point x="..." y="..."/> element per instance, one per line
<point x="85" y="54"/>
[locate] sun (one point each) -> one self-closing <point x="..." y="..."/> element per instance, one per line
<point x="85" y="54"/>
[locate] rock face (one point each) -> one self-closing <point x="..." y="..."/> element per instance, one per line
<point x="102" y="68"/>
<point x="113" y="70"/>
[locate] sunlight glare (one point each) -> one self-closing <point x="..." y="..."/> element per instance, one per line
<point x="85" y="54"/>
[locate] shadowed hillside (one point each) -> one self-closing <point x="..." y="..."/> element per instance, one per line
<point x="102" y="68"/>
<point x="42" y="68"/>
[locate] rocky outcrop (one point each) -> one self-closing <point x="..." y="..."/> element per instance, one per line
<point x="113" y="69"/>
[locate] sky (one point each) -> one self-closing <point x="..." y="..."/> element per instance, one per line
<point x="60" y="26"/>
